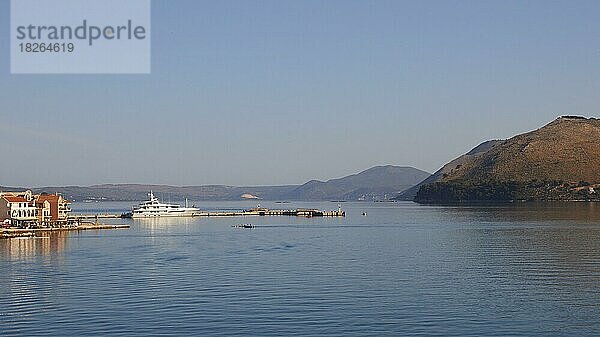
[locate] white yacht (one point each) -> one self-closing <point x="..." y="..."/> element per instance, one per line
<point x="154" y="208"/>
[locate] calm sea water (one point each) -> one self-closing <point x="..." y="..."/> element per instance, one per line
<point x="404" y="269"/>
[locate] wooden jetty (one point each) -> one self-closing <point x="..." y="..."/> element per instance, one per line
<point x="259" y="211"/>
<point x="303" y="212"/>
<point x="94" y="216"/>
<point x="276" y="212"/>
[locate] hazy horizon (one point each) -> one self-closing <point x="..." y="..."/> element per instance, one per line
<point x="279" y="93"/>
<point x="210" y="184"/>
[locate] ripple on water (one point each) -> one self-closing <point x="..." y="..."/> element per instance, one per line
<point x="411" y="271"/>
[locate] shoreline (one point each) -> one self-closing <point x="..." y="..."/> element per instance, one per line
<point x="8" y="233"/>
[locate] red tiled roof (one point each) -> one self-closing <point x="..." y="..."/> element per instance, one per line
<point x="51" y="198"/>
<point x="12" y="198"/>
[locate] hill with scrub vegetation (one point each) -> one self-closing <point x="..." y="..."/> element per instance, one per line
<point x="560" y="161"/>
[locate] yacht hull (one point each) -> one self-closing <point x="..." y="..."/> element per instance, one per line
<point x="164" y="215"/>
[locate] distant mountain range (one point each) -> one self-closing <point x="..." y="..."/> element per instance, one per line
<point x="380" y="182"/>
<point x="560" y="161"/>
<point x="377" y="183"/>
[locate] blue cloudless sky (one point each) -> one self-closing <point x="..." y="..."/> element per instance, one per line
<point x="277" y="92"/>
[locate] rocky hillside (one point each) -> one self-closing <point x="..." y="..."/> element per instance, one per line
<point x="411" y="193"/>
<point x="560" y="161"/>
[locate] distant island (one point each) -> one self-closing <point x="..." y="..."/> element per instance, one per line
<point x="377" y="183"/>
<point x="560" y="161"/>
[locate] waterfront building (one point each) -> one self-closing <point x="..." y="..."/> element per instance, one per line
<point x="59" y="207"/>
<point x="17" y="209"/>
<point x="43" y="212"/>
<point x="26" y="208"/>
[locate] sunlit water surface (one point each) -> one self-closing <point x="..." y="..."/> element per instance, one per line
<point x="403" y="269"/>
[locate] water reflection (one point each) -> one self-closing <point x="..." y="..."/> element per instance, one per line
<point x="534" y="213"/>
<point x="162" y="231"/>
<point x="402" y="270"/>
<point x="173" y="221"/>
<point x="540" y="252"/>
<point x="45" y="244"/>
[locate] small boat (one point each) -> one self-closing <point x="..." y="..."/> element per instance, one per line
<point x="244" y="226"/>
